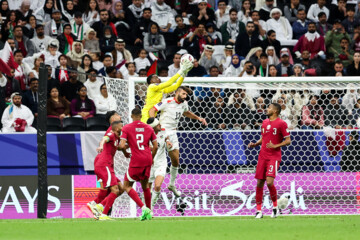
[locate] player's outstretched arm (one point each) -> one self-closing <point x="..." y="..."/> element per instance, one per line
<point x="152" y="112"/>
<point x="166" y="84"/>
<point x="194" y="116"/>
<point x="175" y="86"/>
<point x="252" y="144"/>
<point x="154" y="149"/>
<point x="102" y="142"/>
<point x="286" y="142"/>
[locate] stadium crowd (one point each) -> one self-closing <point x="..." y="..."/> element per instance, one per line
<point x="81" y="42"/>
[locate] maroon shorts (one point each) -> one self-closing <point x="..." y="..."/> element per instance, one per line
<point x="266" y="168"/>
<point x="106" y="174"/>
<point x="137" y="174"/>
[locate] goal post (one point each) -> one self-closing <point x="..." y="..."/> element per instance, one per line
<point x="319" y="171"/>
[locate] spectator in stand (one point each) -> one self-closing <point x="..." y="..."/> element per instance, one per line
<point x="356" y="39"/>
<point x="260" y="25"/>
<point x="23" y="43"/>
<point x="349" y="159"/>
<point x="322" y="26"/>
<point x="66" y="39"/>
<point x="92" y="12"/>
<point x="134" y="12"/>
<point x="163" y="72"/>
<point x="249" y="70"/>
<point x="298" y="70"/>
<point x="43" y="15"/>
<point x="85" y="65"/>
<point x="76" y="53"/>
<point x="39" y="41"/>
<point x="232" y="28"/>
<point x="108" y="41"/>
<point x="93" y="84"/>
<point x="17" y="117"/>
<point x="350" y="22"/>
<point x="333" y="37"/>
<point x="142" y="62"/>
<point x="238" y="111"/>
<point x="142" y="27"/>
<point x="117" y="11"/>
<point x="272" y="70"/>
<point x="354" y="68"/>
<point x="55" y="26"/>
<point x="316" y="8"/>
<point x="338" y="70"/>
<point x="254" y="56"/>
<point x="197" y="70"/>
<point x="7" y="28"/>
<point x="162" y="15"/>
<point x="103" y="24"/>
<point x="312" y="115"/>
<point x="259" y="115"/>
<point x="79" y="27"/>
<point x="222" y="13"/>
<point x="69" y="88"/>
<point x="62" y="72"/>
<point x="350" y="98"/>
<point x="207" y="60"/>
<point x="175" y="67"/>
<point x="311" y="41"/>
<point x="57" y="107"/>
<point x="234" y="70"/>
<point x="335" y="114"/>
<point x="181" y="31"/>
<point x="68" y="11"/>
<point x="346" y="54"/>
<point x="12" y="85"/>
<point x="244" y="15"/>
<point x="29" y="28"/>
<point x="107" y="61"/>
<point x="197" y="40"/>
<point x="271" y="41"/>
<point x="154" y="41"/>
<point x="104" y="102"/>
<point x="204" y="14"/>
<point x="280" y="25"/>
<point x="120" y="54"/>
<point x="97" y="64"/>
<point x="247" y="40"/>
<point x="264" y="12"/>
<point x="337" y="11"/>
<point x="272" y="57"/>
<point x="81" y="105"/>
<point x="291" y="10"/>
<point x="225" y="60"/>
<point x="91" y="43"/>
<point x="262" y="69"/>
<point x="284" y="69"/>
<point x="216" y="110"/>
<point x="24" y="12"/>
<point x="22" y="71"/>
<point x="31" y="99"/>
<point x="300" y="26"/>
<point x="51" y="82"/>
<point x="131" y="69"/>
<point x="216" y="36"/>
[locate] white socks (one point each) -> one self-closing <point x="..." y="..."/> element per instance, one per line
<point x="173" y="174"/>
<point x="154" y="197"/>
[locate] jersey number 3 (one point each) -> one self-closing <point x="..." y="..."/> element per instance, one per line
<point x="275" y="131"/>
<point x="140" y="141"/>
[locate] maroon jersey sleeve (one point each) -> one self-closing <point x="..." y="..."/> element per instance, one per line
<point x="284" y="130"/>
<point x="124" y="133"/>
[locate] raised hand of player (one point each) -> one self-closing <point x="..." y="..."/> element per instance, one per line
<point x="270" y="145"/>
<point x="252" y="145"/>
<point x="169" y="145"/>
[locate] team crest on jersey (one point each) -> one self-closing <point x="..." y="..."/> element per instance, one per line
<point x="159" y="104"/>
<point x="268" y="127"/>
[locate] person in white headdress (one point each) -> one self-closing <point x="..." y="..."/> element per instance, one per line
<point x="17" y="117"/>
<point x="280" y="25"/>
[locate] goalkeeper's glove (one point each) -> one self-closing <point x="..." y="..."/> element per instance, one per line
<point x="185" y="68"/>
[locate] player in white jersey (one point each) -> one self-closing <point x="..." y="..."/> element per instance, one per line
<point x="158" y="170"/>
<point x="171" y="111"/>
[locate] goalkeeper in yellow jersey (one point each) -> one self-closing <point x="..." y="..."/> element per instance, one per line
<point x="156" y="89"/>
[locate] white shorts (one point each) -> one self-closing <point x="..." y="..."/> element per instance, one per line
<point x="159" y="170"/>
<point x="173" y="139"/>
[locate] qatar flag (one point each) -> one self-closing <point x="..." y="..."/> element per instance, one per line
<point x="7" y="61"/>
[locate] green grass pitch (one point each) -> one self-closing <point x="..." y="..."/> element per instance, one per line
<point x="186" y="228"/>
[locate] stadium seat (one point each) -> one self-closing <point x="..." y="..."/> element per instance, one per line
<point x="96" y="124"/>
<point x="73" y="124"/>
<point x="53" y="125"/>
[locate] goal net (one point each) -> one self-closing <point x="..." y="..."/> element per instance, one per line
<point x="319" y="171"/>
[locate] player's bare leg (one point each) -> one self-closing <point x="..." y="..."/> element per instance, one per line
<point x="103" y="193"/>
<point x="175" y="162"/>
<point x="134" y="196"/>
<point x="104" y="207"/>
<point x="157" y="190"/>
<point x="273" y="196"/>
<point x="259" y="197"/>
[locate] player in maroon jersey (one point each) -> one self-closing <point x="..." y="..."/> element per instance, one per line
<point x="273" y="132"/>
<point x="111" y="116"/>
<point x="138" y="136"/>
<point x="104" y="170"/>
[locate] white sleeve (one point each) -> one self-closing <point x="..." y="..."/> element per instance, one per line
<point x="310" y="14"/>
<point x="5" y="119"/>
<point x="161" y="105"/>
<point x="112" y="103"/>
<point x="289" y="29"/>
<point x="28" y="115"/>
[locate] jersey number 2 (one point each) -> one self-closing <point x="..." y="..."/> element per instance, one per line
<point x="140" y="141"/>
